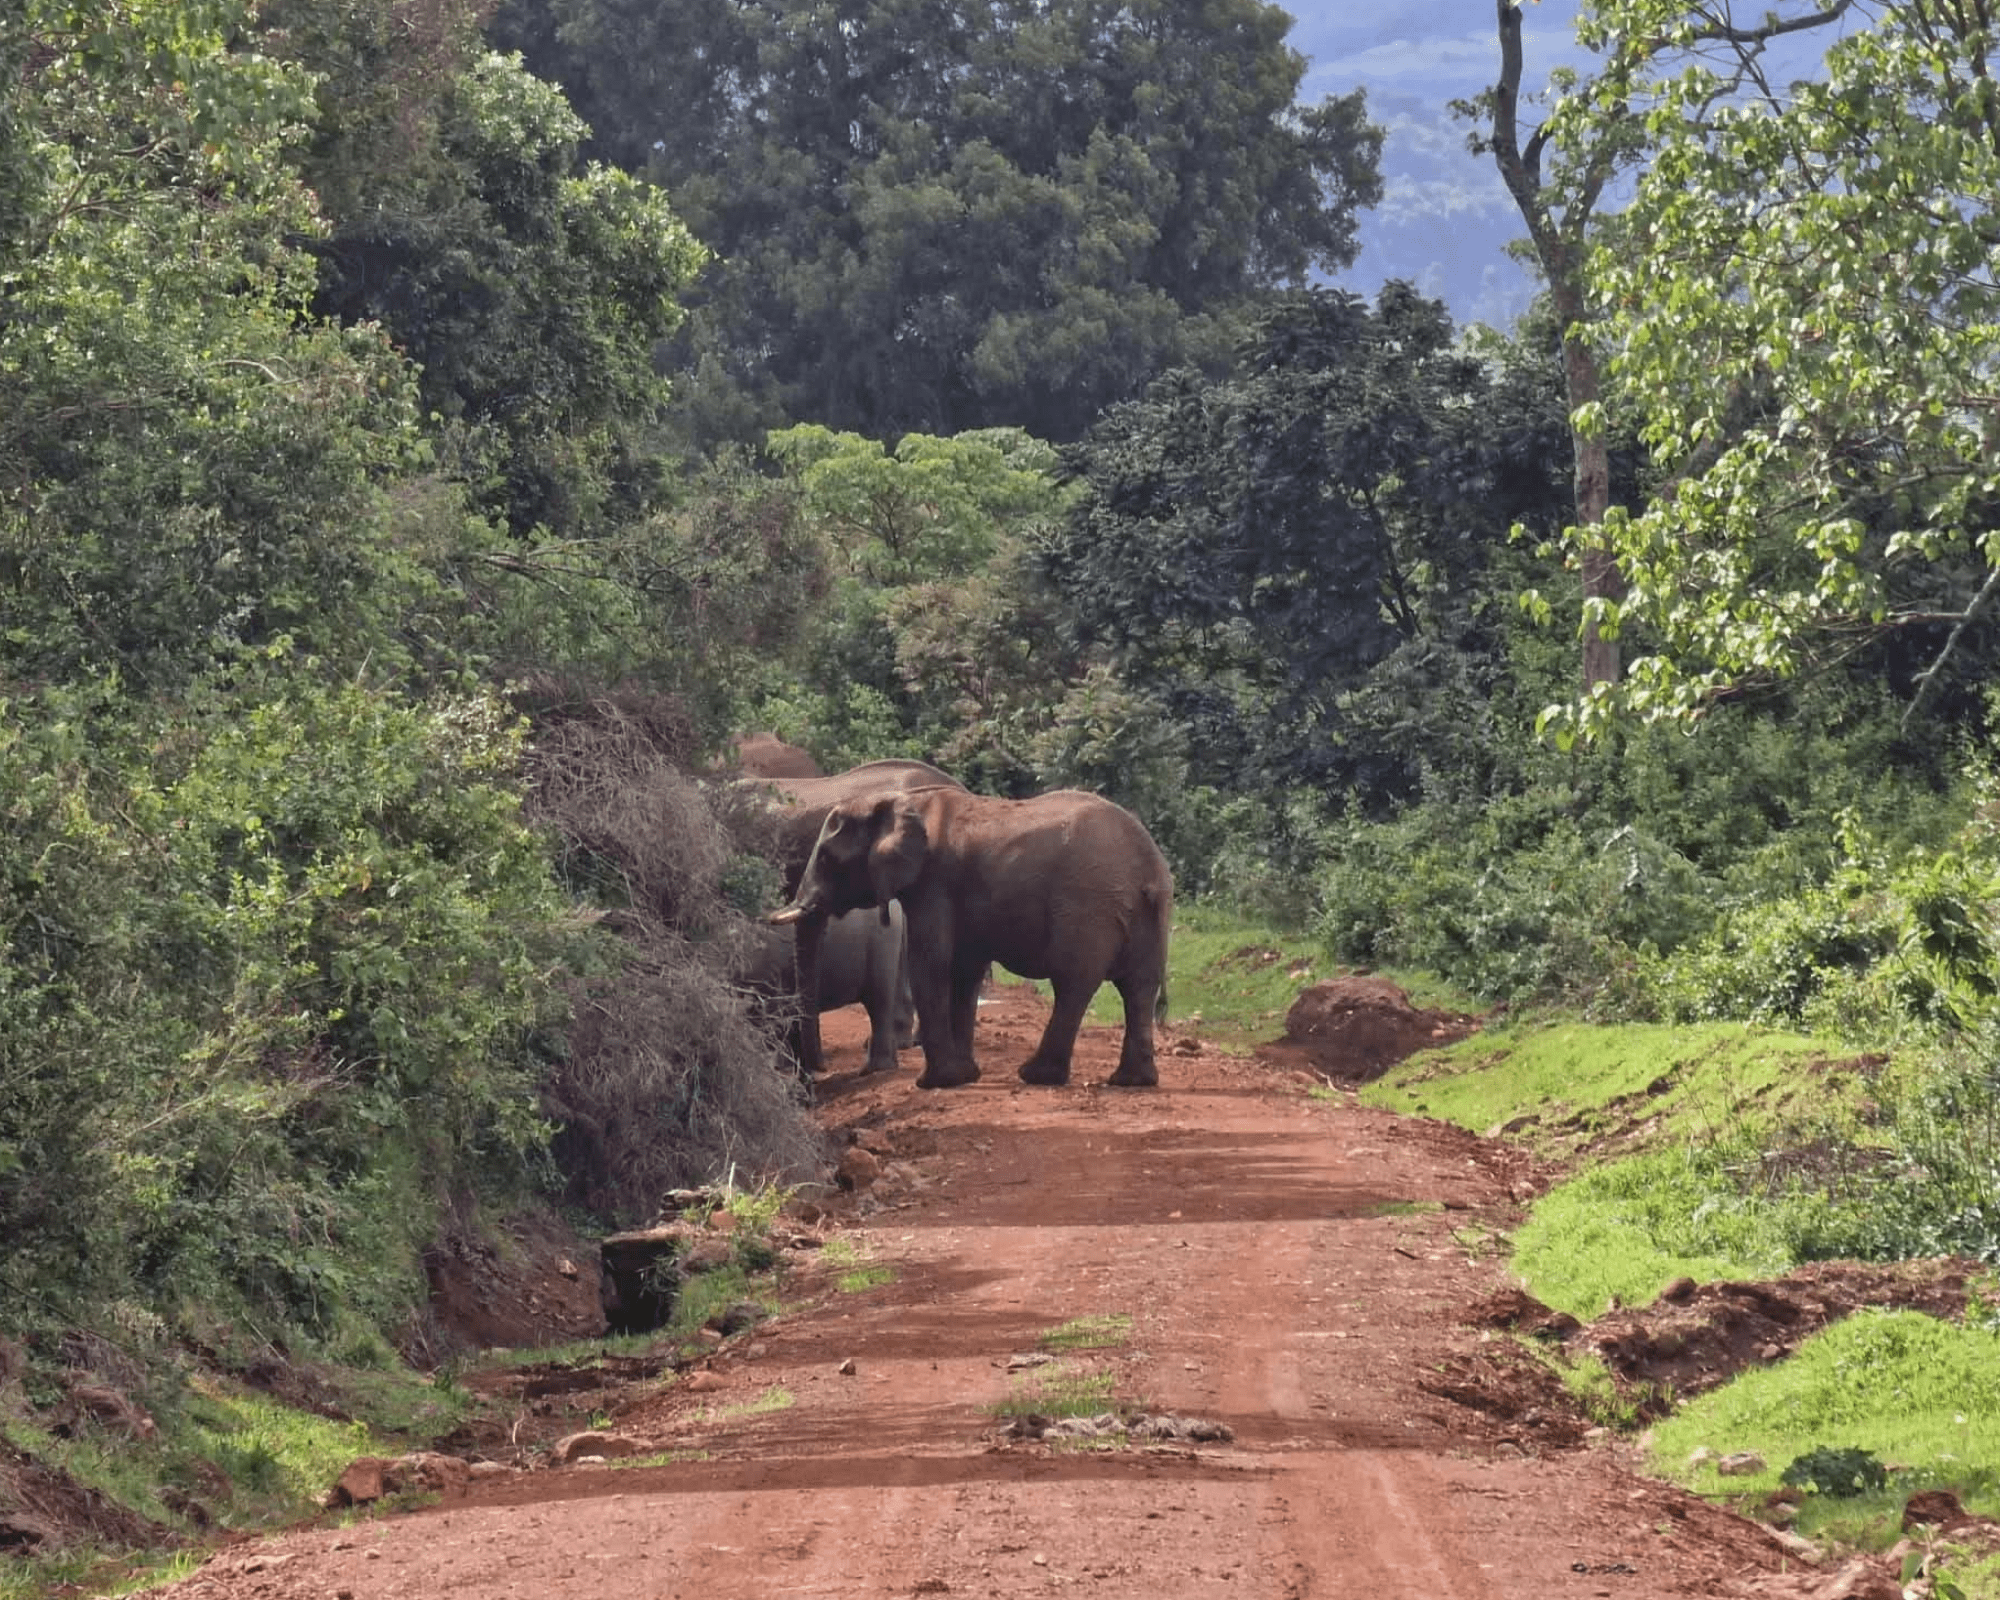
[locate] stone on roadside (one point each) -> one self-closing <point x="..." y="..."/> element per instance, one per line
<point x="425" y="1471"/>
<point x="610" y="1446"/>
<point x="361" y="1483"/>
<point x="1937" y="1508"/>
<point x="1740" y="1464"/>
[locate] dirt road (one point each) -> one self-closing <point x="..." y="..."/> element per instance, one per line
<point x="1296" y="1269"/>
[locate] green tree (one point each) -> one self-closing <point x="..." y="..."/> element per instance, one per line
<point x="1800" y="303"/>
<point x="1254" y="550"/>
<point x="529" y="287"/>
<point x="930" y="509"/>
<point x="191" y="462"/>
<point x="1558" y="174"/>
<point x="937" y="219"/>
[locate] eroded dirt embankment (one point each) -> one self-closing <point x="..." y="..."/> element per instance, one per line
<point x="1297" y="1270"/>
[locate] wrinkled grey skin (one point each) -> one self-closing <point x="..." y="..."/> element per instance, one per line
<point x="804" y="803"/>
<point x="860" y="963"/>
<point x="1066" y="886"/>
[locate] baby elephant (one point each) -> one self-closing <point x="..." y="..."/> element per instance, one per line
<point x="862" y="962"/>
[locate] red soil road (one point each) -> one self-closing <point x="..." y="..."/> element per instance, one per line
<point x="1264" y="1245"/>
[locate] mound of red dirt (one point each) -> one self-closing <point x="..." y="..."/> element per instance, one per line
<point x="44" y="1509"/>
<point x="537" y="1286"/>
<point x="1696" y="1336"/>
<point x="1354" y="1029"/>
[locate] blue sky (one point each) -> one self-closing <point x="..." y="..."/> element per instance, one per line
<point x="1445" y="217"/>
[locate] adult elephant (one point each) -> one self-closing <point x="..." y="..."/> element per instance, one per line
<point x="1066" y="886"/>
<point x="803" y="805"/>
<point x="860" y="963"/>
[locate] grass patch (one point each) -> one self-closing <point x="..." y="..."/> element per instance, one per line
<point x="1405" y="1208"/>
<point x="706" y="1294"/>
<point x="775" y="1398"/>
<point x="863" y="1279"/>
<point x="273" y="1461"/>
<point x="660" y="1458"/>
<point x="1579" y="1085"/>
<point x="1103" y="1332"/>
<point x="1627" y="1229"/>
<point x="1977" y="1573"/>
<point x="1591" y="1384"/>
<point x="94" y="1572"/>
<point x="1919" y="1393"/>
<point x="1059" y="1390"/>
<point x="840" y="1253"/>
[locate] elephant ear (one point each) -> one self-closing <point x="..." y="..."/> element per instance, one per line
<point x="897" y="856"/>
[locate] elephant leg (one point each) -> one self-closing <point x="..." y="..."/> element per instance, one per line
<point x="965" y="1013"/>
<point x="882" y="1019"/>
<point x="1050" y="1062"/>
<point x="948" y="1062"/>
<point x="908" y="1035"/>
<point x="1136" y="1067"/>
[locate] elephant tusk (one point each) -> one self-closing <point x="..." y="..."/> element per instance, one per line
<point x="785" y="916"/>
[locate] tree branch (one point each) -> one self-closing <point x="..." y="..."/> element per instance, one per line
<point x="1966" y="618"/>
<point x="1773" y="27"/>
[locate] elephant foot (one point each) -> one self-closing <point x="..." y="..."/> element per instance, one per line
<point x="874" y="1065"/>
<point x="1037" y="1069"/>
<point x="1134" y="1077"/>
<point x="954" y="1077"/>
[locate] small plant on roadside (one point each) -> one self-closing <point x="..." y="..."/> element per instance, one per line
<point x="1054" y="1393"/>
<point x="862" y="1279"/>
<point x="1103" y="1332"/>
<point x="840" y="1253"/>
<point x="775" y="1398"/>
<point x="703" y="1295"/>
<point x="1842" y="1473"/>
<point x="1594" y="1388"/>
<point x="660" y="1458"/>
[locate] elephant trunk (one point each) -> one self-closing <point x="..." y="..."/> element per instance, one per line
<point x="810" y="939"/>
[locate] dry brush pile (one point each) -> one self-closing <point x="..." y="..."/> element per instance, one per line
<point x="673" y="1074"/>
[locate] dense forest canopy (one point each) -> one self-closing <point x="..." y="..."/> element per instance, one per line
<point x="934" y="218"/>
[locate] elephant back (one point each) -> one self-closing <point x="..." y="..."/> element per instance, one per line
<point x="765" y="755"/>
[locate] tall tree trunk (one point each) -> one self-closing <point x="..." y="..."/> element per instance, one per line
<point x="1602" y="578"/>
<point x="1558" y="246"/>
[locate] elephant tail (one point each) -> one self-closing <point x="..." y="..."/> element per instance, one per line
<point x="1161" y="903"/>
